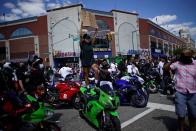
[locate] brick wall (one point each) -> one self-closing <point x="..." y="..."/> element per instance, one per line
<point x="39" y="28"/>
<point x="21" y="47"/>
<point x="144" y="38"/>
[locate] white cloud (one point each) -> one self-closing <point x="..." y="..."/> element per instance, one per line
<point x="9" y="5"/>
<point x="69" y="2"/>
<point x="193" y="31"/>
<point x="10" y="17"/>
<point x="134" y="11"/>
<point x="174" y="28"/>
<point x="25" y="15"/>
<point x="33" y="7"/>
<point x="163" y="19"/>
<point x="53" y="5"/>
<point x="16" y="11"/>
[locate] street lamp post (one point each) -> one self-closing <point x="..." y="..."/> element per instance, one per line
<point x="133" y="40"/>
<point x="74" y="52"/>
<point x="52" y="25"/>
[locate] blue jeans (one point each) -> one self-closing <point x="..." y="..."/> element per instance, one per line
<point x="184" y="103"/>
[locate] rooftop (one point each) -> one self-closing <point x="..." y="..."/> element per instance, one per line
<point x="24" y="20"/>
<point x="98" y="11"/>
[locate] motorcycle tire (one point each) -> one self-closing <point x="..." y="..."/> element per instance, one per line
<point x="47" y="126"/>
<point x="116" y="125"/>
<point x="139" y="100"/>
<point x="152" y="88"/>
<point x="76" y="101"/>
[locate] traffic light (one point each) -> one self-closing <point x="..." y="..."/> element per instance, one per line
<point x="109" y="36"/>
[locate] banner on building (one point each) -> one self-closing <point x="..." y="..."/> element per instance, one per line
<point x="61" y="54"/>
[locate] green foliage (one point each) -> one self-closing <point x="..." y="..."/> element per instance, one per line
<point x="178" y="51"/>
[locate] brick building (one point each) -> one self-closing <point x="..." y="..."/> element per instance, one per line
<point x="158" y="40"/>
<point x="64" y="26"/>
<point x="21" y="38"/>
<point x="56" y="36"/>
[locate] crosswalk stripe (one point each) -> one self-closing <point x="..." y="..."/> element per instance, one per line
<point x="152" y="106"/>
<point x="161" y="106"/>
<point x="135" y="118"/>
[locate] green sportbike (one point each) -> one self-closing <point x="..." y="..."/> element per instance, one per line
<point x="42" y="118"/>
<point x="99" y="107"/>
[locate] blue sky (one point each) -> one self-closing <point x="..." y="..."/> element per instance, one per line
<point x="170" y="14"/>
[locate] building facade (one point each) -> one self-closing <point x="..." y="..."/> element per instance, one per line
<point x="56" y="36"/>
<point x="157" y="40"/>
<point x="22" y="38"/>
<point x="64" y="26"/>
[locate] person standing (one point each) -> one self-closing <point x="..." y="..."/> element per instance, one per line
<point x="160" y="66"/>
<point x="185" y="96"/>
<point x="87" y="56"/>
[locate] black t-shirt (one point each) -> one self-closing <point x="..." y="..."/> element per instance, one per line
<point x="86" y="50"/>
<point x="104" y="75"/>
<point x="36" y="78"/>
<point x="20" y="75"/>
<point x="86" y="54"/>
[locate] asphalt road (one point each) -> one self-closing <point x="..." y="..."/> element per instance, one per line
<point x="159" y="115"/>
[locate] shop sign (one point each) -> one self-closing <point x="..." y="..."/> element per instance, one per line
<point x="64" y="54"/>
<point x="101" y="49"/>
<point x="157" y="50"/>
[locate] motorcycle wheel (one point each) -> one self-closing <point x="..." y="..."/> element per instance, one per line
<point x="76" y="101"/>
<point x="115" y="125"/>
<point x="139" y="100"/>
<point x="47" y="126"/>
<point x="152" y="88"/>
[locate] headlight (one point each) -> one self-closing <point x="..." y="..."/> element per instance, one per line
<point x="107" y="105"/>
<point x="65" y="96"/>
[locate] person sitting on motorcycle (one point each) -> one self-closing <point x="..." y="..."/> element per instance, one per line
<point x="122" y="69"/>
<point x="36" y="76"/>
<point x="104" y="74"/>
<point x="113" y="67"/>
<point x="65" y="71"/>
<point x="132" y="69"/>
<point x="12" y="104"/>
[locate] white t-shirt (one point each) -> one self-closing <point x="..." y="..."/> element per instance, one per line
<point x="112" y="68"/>
<point x="64" y="71"/>
<point x="160" y="66"/>
<point x="132" y="69"/>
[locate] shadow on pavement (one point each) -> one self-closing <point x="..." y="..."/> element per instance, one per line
<point x="170" y="123"/>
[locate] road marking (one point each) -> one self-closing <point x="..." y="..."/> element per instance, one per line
<point x="135" y="118"/>
<point x="152" y="107"/>
<point x="161" y="106"/>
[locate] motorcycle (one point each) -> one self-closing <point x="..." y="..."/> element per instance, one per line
<point x="150" y="83"/>
<point x="152" y="80"/>
<point x="131" y="91"/>
<point x="99" y="107"/>
<point x="43" y="117"/>
<point x="64" y="92"/>
<point x="37" y="117"/>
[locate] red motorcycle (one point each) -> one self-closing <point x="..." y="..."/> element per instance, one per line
<point x="64" y="92"/>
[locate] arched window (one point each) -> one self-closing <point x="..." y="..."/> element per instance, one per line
<point x="102" y="25"/>
<point x="2" y="37"/>
<point x="21" y="32"/>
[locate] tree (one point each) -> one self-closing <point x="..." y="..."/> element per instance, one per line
<point x="177" y="52"/>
